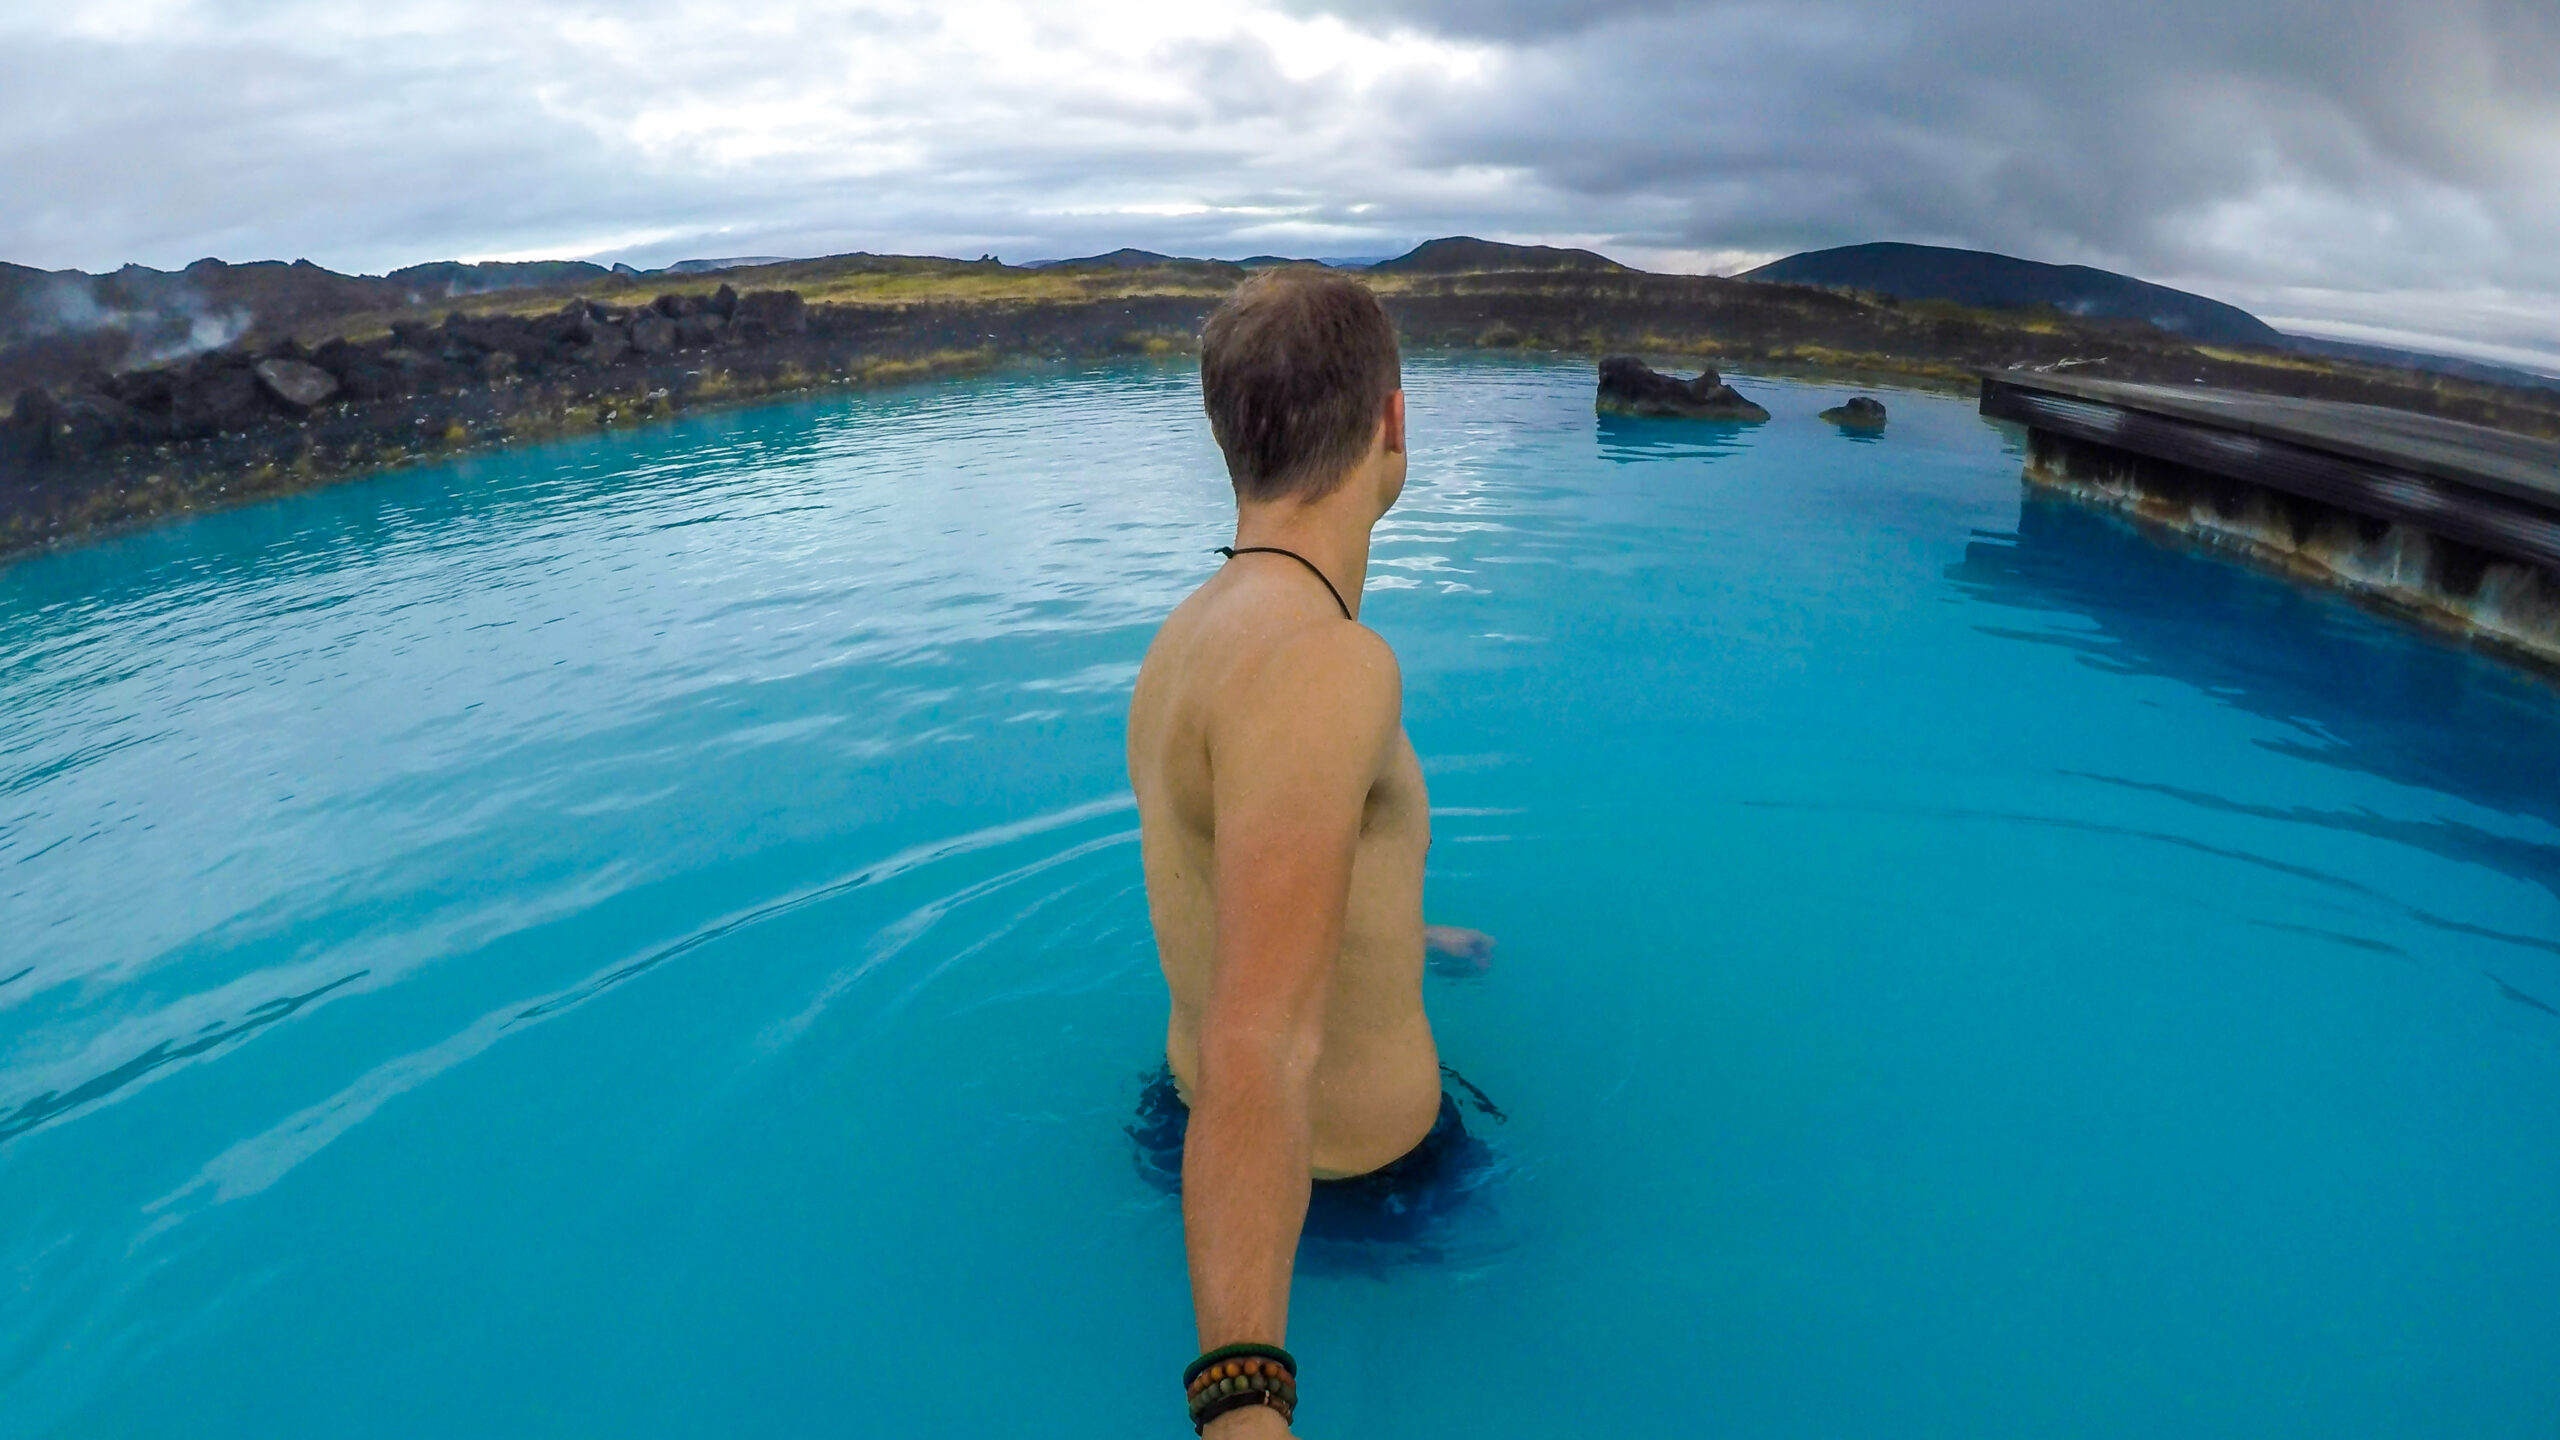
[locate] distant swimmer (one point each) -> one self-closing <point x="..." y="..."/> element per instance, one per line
<point x="1283" y="822"/>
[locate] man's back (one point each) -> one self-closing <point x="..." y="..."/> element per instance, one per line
<point x="1239" y="709"/>
<point x="1283" y="822"/>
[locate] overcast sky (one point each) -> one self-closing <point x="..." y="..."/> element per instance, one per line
<point x="2377" y="169"/>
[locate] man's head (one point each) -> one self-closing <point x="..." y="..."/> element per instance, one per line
<point x="1299" y="373"/>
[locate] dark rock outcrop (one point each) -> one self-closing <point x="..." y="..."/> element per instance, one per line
<point x="70" y="429"/>
<point x="655" y="334"/>
<point x="217" y="394"/>
<point x="607" y="349"/>
<point x="361" y="370"/>
<point x="1859" y="412"/>
<point x="1628" y="386"/>
<point x="593" y="334"/>
<point x="764" y="314"/>
<point x="701" y="331"/>
<point x="92" y="423"/>
<point x="286" y="393"/>
<point x="86" y="423"/>
<point x="27" y="434"/>
<point x="294" y="382"/>
<point x="96" y="451"/>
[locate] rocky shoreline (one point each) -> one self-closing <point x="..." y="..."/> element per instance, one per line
<point x="250" y="422"/>
<point x="337" y="395"/>
<point x="233" y="390"/>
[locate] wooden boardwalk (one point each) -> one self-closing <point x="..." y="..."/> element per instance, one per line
<point x="2486" y="488"/>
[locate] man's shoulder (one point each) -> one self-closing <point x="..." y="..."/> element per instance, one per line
<point x="1335" y="651"/>
<point x="1341" y="643"/>
<point x="1328" y="678"/>
<point x="1231" y="660"/>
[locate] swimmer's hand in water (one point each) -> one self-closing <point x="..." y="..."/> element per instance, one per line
<point x="1456" y="950"/>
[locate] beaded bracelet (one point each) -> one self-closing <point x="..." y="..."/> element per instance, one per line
<point x="1207" y="1411"/>
<point x="1232" y="1377"/>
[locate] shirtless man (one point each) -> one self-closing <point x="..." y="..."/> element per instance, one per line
<point x="1283" y="819"/>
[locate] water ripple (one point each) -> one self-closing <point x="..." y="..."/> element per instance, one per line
<point x="51" y="1106"/>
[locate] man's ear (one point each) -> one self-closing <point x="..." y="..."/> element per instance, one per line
<point x="1393" y="424"/>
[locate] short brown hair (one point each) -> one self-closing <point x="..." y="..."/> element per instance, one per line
<point x="1295" y="371"/>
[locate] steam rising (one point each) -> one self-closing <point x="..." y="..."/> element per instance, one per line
<point x="176" y="323"/>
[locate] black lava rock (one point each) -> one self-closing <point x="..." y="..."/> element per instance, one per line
<point x="361" y="370"/>
<point x="217" y="394"/>
<point x="147" y="392"/>
<point x="607" y="348"/>
<point x="299" y="386"/>
<point x="653" y="334"/>
<point x="91" y="423"/>
<point x="765" y="313"/>
<point x="27" y="436"/>
<point x="1860" y="413"/>
<point x="1628" y="386"/>
<point x="703" y="331"/>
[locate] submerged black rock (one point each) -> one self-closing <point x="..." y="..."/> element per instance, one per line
<point x="1859" y="413"/>
<point x="1628" y="386"/>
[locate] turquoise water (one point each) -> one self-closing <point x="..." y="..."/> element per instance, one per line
<point x="643" y="937"/>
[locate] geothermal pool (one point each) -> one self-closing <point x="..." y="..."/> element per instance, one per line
<point x="643" y="937"/>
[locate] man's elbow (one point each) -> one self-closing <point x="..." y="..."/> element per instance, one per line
<point x="1256" y="1065"/>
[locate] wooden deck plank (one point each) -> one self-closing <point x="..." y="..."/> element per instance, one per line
<point x="2518" y="467"/>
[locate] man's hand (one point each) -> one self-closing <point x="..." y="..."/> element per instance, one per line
<point x="1456" y="950"/>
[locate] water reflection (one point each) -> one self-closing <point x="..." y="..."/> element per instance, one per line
<point x="2357" y="691"/>
<point x="1628" y="440"/>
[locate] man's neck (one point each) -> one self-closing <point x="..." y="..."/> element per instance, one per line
<point x="1332" y="534"/>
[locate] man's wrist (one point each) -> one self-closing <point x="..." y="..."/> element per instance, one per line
<point x="1246" y="1375"/>
<point x="1246" y="1423"/>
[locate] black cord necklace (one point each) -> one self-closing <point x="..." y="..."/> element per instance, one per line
<point x="1232" y="551"/>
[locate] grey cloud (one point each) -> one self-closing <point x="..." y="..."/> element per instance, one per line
<point x="2347" y="149"/>
<point x="2105" y="132"/>
<point x="244" y="152"/>
<point x="1504" y="20"/>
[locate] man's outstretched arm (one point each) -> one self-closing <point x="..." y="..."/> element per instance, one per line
<point x="1293" y="756"/>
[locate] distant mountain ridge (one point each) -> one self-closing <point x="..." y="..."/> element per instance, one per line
<point x="1449" y="255"/>
<point x="60" y="324"/>
<point x="1987" y="280"/>
<point x="2482" y="370"/>
<point x="1465" y="254"/>
<point x="707" y="267"/>
<point x="1127" y="257"/>
<point x="456" y="278"/>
